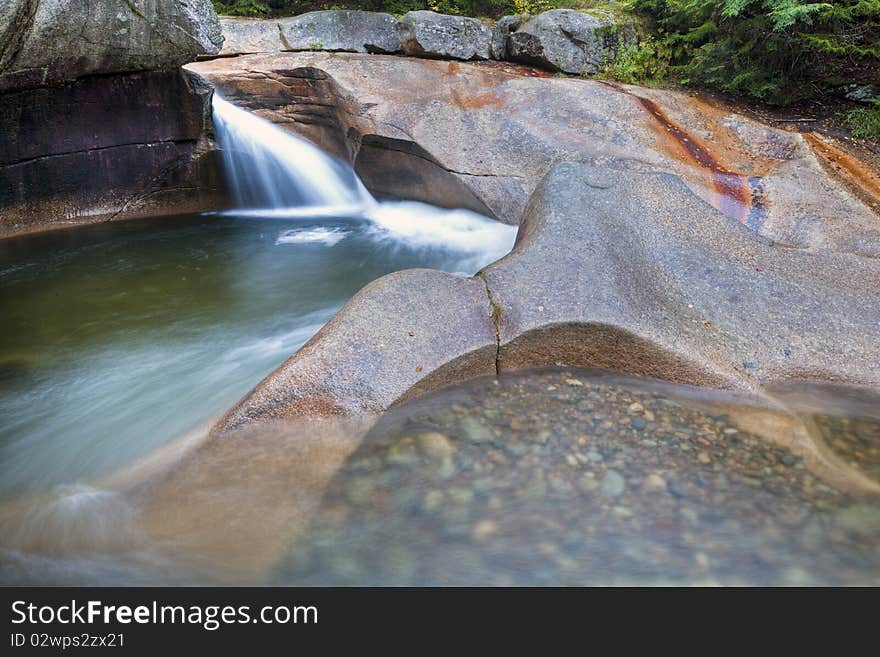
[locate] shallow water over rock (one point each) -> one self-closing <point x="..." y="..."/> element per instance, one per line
<point x="541" y="477"/>
<point x="576" y="477"/>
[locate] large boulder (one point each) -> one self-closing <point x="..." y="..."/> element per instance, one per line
<point x="504" y="27"/>
<point x="428" y="34"/>
<point x="568" y="40"/>
<point x="102" y="124"/>
<point x="341" y="30"/>
<point x="621" y="266"/>
<point x="60" y="40"/>
<point x="243" y="35"/>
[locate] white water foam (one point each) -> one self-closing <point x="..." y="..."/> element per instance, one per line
<point x="321" y="235"/>
<point x="275" y="174"/>
<point x="426" y="226"/>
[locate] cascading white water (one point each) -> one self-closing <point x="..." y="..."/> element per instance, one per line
<point x="268" y="167"/>
<point x="274" y="173"/>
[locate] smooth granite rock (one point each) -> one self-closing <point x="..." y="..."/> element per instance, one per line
<point x="568" y="40"/>
<point x="486" y="134"/>
<point x="428" y="34"/>
<point x="623" y="267"/>
<point x="411" y="330"/>
<point x="51" y="41"/>
<point x="672" y="237"/>
<point x="615" y="266"/>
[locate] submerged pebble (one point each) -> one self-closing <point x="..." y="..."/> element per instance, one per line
<point x="613" y="481"/>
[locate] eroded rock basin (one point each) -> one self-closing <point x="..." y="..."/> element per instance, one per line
<point x="559" y="476"/>
<point x="118" y="338"/>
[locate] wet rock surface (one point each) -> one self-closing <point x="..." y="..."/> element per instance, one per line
<point x="651" y="290"/>
<point x="856" y="440"/>
<point x="394" y="338"/>
<point x="645" y="249"/>
<point x="138" y="147"/>
<point x="541" y="477"/>
<point x="97" y="122"/>
<point x="498" y="129"/>
<point x="566" y="477"/>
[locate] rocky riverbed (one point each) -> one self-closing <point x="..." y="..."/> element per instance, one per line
<point x="569" y="477"/>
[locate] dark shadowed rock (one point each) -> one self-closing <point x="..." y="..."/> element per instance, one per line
<point x="408" y="331"/>
<point x="504" y="26"/>
<point x="96" y="122"/>
<point x="340" y="30"/>
<point x="567" y="40"/>
<point x="427" y="34"/>
<point x="49" y="41"/>
<point x="141" y="148"/>
<point x="399" y="169"/>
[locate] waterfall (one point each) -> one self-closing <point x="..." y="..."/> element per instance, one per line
<point x="273" y="173"/>
<point x="269" y="168"/>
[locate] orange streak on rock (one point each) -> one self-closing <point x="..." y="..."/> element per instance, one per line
<point x="732" y="193"/>
<point x="854" y="174"/>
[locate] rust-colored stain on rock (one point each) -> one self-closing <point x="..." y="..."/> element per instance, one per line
<point x="736" y="195"/>
<point x="468" y="101"/>
<point x="863" y="182"/>
<point x="469" y="94"/>
<point x="511" y="69"/>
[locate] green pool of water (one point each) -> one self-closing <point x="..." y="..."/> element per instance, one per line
<point x="119" y="337"/>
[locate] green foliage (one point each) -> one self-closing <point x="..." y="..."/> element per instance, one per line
<point x="865" y="122"/>
<point x="489" y="8"/>
<point x="645" y="62"/>
<point x="240" y="7"/>
<point x="776" y="50"/>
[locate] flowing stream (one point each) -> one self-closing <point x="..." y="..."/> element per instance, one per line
<point x="121" y="337"/>
<point x="121" y="342"/>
